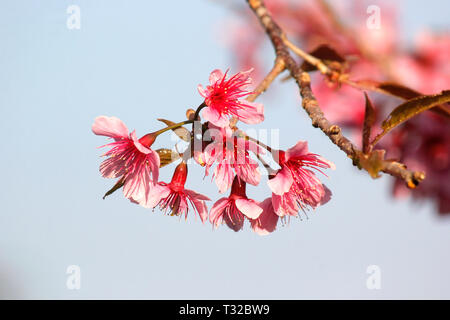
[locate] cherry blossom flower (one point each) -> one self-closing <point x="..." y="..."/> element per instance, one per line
<point x="231" y="152"/>
<point x="295" y="186"/>
<point x="235" y="208"/>
<point x="129" y="159"/>
<point x="175" y="197"/>
<point x="267" y="220"/>
<point x="223" y="99"/>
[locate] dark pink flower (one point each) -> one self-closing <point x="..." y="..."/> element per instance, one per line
<point x="267" y="220"/>
<point x="223" y="98"/>
<point x="231" y="153"/>
<point x="234" y="209"/>
<point x="175" y="197"/>
<point x="295" y="186"/>
<point x="129" y="158"/>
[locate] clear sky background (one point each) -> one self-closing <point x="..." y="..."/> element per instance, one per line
<point x="141" y="60"/>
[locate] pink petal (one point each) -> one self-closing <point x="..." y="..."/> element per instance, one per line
<point x="215" y="117"/>
<point x="252" y="113"/>
<point x="199" y="202"/>
<point x="223" y="175"/>
<point x="154" y="163"/>
<point x="267" y="221"/>
<point x="300" y="149"/>
<point x="137" y="186"/>
<point x="249" y="173"/>
<point x="215" y="76"/>
<point x="282" y="181"/>
<point x="110" y="127"/>
<point x="249" y="208"/>
<point x="284" y="205"/>
<point x="327" y="196"/>
<point x="217" y="210"/>
<point x="203" y="92"/>
<point x="156" y="194"/>
<point x="137" y="144"/>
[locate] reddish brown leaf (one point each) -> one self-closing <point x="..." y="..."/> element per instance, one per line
<point x="369" y="120"/>
<point x="117" y="186"/>
<point x="412" y="108"/>
<point x="181" y="132"/>
<point x="324" y="53"/>
<point x="399" y="91"/>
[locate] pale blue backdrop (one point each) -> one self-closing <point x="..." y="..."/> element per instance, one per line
<point x="139" y="60"/>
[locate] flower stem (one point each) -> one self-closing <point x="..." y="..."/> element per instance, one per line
<point x="197" y="112"/>
<point x="176" y="125"/>
<point x="257" y="142"/>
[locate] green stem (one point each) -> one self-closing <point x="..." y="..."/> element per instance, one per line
<point x="176" y="125"/>
<point x="257" y="142"/>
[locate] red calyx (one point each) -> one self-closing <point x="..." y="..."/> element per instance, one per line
<point x="148" y="139"/>
<point x="238" y="188"/>
<point x="179" y="177"/>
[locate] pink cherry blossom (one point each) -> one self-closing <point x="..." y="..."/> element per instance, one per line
<point x="235" y="208"/>
<point x="295" y="186"/>
<point x="129" y="158"/>
<point x="231" y="153"/>
<point x="175" y="197"/>
<point x="223" y="99"/>
<point x="267" y="220"/>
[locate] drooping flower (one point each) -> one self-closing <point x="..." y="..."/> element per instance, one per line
<point x="175" y="197"/>
<point x="235" y="208"/>
<point x="295" y="186"/>
<point x="231" y="153"/>
<point x="130" y="159"/>
<point x="267" y="220"/>
<point x="223" y="98"/>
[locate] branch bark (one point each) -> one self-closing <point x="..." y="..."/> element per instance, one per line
<point x="310" y="104"/>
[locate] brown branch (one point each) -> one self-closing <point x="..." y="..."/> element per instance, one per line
<point x="277" y="68"/>
<point x="310" y="103"/>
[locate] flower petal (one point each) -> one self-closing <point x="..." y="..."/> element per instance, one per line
<point x="251" y="113"/>
<point x="267" y="221"/>
<point x="199" y="202"/>
<point x="223" y="175"/>
<point x="156" y="194"/>
<point x="249" y="208"/>
<point x="203" y="92"/>
<point x="215" y="76"/>
<point x="282" y="181"/>
<point x="110" y="127"/>
<point x="300" y="149"/>
<point x="217" y="211"/>
<point x="215" y="117"/>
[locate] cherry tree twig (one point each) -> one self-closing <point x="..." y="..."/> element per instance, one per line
<point x="309" y="102"/>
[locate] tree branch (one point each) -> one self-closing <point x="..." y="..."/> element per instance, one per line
<point x="310" y="103"/>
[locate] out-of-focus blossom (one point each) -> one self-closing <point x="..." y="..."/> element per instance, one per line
<point x="129" y="159"/>
<point x="223" y="98"/>
<point x="234" y="209"/>
<point x="426" y="70"/>
<point x="376" y="54"/>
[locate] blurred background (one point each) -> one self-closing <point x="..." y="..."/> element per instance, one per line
<point x="143" y="60"/>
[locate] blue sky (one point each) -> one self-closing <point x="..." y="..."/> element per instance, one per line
<point x="142" y="60"/>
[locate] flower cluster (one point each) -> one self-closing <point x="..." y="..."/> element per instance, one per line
<point x="235" y="156"/>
